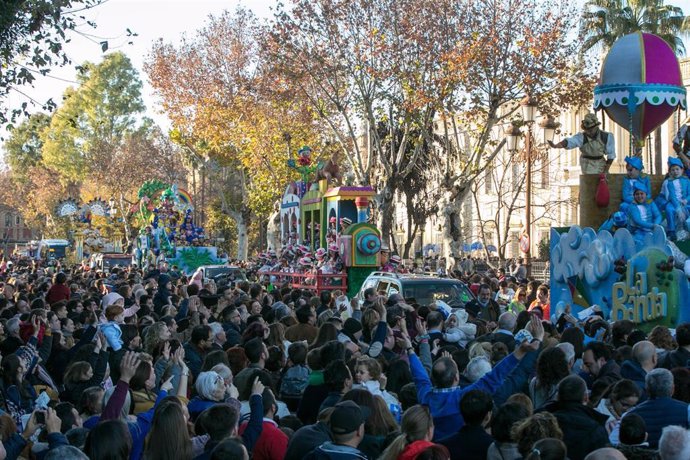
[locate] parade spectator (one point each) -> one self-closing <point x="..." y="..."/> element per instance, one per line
<point x="305" y="329"/>
<point x="681" y="356"/>
<point x="659" y="409"/>
<point x="583" y="428"/>
<point x="598" y="362"/>
<point x="347" y="428"/>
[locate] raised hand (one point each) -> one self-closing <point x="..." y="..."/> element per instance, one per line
<point x="167" y="385"/>
<point x="420" y="326"/>
<point x="257" y="387"/>
<point x="53" y="422"/>
<point x="128" y="366"/>
<point x="166" y="351"/>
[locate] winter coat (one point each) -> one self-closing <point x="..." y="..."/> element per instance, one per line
<point x="583" y="427"/>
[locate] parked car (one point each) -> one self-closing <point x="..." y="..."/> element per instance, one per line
<point x="423" y="289"/>
<point x="222" y="274"/>
<point x="107" y="260"/>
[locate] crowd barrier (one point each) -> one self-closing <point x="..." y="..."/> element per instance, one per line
<point x="318" y="283"/>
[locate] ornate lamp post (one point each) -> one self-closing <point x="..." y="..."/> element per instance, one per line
<point x="528" y="107"/>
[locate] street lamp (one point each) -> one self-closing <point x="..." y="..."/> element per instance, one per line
<point x="549" y="127"/>
<point x="528" y="106"/>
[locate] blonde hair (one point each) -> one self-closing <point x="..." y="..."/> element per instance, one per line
<point x="478" y="349"/>
<point x="416" y="423"/>
<point x="373" y="366"/>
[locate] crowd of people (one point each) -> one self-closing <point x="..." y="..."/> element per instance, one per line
<point x="131" y="364"/>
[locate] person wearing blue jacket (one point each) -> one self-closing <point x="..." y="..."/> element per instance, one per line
<point x="676" y="190"/>
<point x="643" y="216"/>
<point x="444" y="394"/>
<point x="634" y="176"/>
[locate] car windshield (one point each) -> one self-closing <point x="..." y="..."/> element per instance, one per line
<point x="454" y="294"/>
<point x="120" y="261"/>
<point x="215" y="271"/>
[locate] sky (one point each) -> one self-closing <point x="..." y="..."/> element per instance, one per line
<point x="151" y="20"/>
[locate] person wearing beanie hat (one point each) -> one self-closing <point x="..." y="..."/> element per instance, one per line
<point x="643" y="216"/>
<point x="676" y="192"/>
<point x="351" y="331"/>
<point x="633" y="167"/>
<point x="597" y="147"/>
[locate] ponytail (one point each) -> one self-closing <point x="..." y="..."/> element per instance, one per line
<point x="416" y="422"/>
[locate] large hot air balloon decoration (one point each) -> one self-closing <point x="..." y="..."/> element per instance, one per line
<point x="640" y="84"/>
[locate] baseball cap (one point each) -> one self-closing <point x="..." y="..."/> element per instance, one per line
<point x="347" y="417"/>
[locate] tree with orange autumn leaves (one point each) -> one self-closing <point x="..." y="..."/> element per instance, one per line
<point x="215" y="89"/>
<point x="441" y="76"/>
<point x="406" y="91"/>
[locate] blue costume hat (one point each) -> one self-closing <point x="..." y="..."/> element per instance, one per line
<point x="639" y="186"/>
<point x="620" y="219"/>
<point x="675" y="162"/>
<point x="635" y="162"/>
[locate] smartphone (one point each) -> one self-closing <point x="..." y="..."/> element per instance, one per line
<point x="40" y="418"/>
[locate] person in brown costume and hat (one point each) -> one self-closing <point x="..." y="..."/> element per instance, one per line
<point x="597" y="147"/>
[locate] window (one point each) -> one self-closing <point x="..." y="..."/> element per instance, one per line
<point x="8" y="219"/>
<point x="382" y="287"/>
<point x="17" y="220"/>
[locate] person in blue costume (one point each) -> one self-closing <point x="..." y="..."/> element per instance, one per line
<point x="642" y="216"/>
<point x="634" y="167"/>
<point x="676" y="191"/>
<point x="617" y="220"/>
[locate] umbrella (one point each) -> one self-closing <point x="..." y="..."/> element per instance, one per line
<point x="491" y="248"/>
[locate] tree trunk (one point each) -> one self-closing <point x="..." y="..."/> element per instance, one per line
<point x="452" y="226"/>
<point x="243" y="220"/>
<point x="123" y="213"/>
<point x="386" y="210"/>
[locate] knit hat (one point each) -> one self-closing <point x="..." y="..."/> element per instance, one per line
<point x="351" y="327"/>
<point x="110" y="299"/>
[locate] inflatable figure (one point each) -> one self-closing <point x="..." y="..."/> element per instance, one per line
<point x="643" y="215"/>
<point x="634" y="167"/>
<point x="676" y="191"/>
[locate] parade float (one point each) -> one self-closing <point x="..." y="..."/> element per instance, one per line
<point x="320" y="213"/>
<point x="640" y="276"/>
<point x="164" y="216"/>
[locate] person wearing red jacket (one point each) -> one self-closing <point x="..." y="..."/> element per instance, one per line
<point x="58" y="291"/>
<point x="272" y="443"/>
